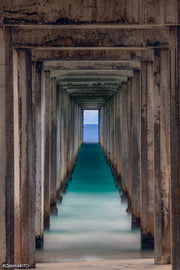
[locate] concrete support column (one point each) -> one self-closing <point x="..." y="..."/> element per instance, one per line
<point x="58" y="142"/>
<point x="46" y="97"/>
<point x="9" y="129"/>
<point x="7" y="149"/>
<point x="103" y="128"/>
<point x="147" y="155"/>
<point x="81" y="124"/>
<point x="136" y="149"/>
<point x="107" y="131"/>
<point x="25" y="188"/>
<point x="63" y="134"/>
<point x="72" y="124"/>
<point x="112" y="133"/>
<point x="124" y="145"/>
<point x="109" y="135"/>
<point x="3" y="244"/>
<point x="70" y="135"/>
<point x="37" y="106"/>
<point x="118" y="134"/>
<point x="101" y="125"/>
<point x="115" y="132"/>
<point x="162" y="168"/>
<point x="53" y="197"/>
<point x="120" y="138"/>
<point x="175" y="144"/>
<point x="129" y="131"/>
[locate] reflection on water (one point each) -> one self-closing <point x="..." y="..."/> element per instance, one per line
<point x="92" y="222"/>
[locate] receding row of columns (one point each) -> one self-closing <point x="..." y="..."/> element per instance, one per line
<point x="40" y="135"/>
<point x="139" y="130"/>
<point x="41" y="132"/>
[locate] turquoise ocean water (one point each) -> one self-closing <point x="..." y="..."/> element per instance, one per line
<point x="92" y="222"/>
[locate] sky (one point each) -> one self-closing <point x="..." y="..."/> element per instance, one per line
<point x="90" y="117"/>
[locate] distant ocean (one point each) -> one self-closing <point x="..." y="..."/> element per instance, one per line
<point x="91" y="133"/>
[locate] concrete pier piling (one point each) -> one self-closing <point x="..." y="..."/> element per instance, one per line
<point x="162" y="169"/>
<point x="38" y="133"/>
<point x="147" y="155"/>
<point x="25" y="187"/>
<point x="46" y="118"/>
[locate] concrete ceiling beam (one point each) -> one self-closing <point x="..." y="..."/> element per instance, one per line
<point x="95" y="79"/>
<point x="84" y="65"/>
<point x="152" y="36"/>
<point x="59" y="73"/>
<point x="91" y="90"/>
<point x="81" y="84"/>
<point x="95" y="87"/>
<point x="91" y="93"/>
<point x="92" y="54"/>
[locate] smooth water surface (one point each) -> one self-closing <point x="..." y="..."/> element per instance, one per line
<point x="92" y="222"/>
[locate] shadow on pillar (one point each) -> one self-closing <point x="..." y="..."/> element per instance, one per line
<point x="39" y="241"/>
<point x="135" y="222"/>
<point x="53" y="208"/>
<point x="46" y="221"/>
<point x="147" y="241"/>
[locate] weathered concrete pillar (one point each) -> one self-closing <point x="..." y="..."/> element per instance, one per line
<point x="109" y="135"/>
<point x="112" y="132"/>
<point x="46" y="94"/>
<point x="69" y="137"/>
<point x="147" y="155"/>
<point x="81" y="124"/>
<point x="124" y="145"/>
<point x="9" y="129"/>
<point x="101" y="125"/>
<point x="71" y="132"/>
<point x="118" y="134"/>
<point x="129" y="131"/>
<point x="25" y="189"/>
<point x="136" y="149"/>
<point x="53" y="197"/>
<point x="58" y="142"/>
<point x="3" y="244"/>
<point x="63" y="135"/>
<point x="162" y="169"/>
<point x="120" y="137"/>
<point x="74" y="128"/>
<point x="37" y="106"/>
<point x="107" y="131"/>
<point x="116" y="116"/>
<point x="175" y="144"/>
<point x="7" y="149"/>
<point x="62" y="146"/>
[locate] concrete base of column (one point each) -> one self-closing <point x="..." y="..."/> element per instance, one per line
<point x="39" y="241"/>
<point x="147" y="241"/>
<point x="46" y="220"/>
<point x="135" y="222"/>
<point x="53" y="207"/>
